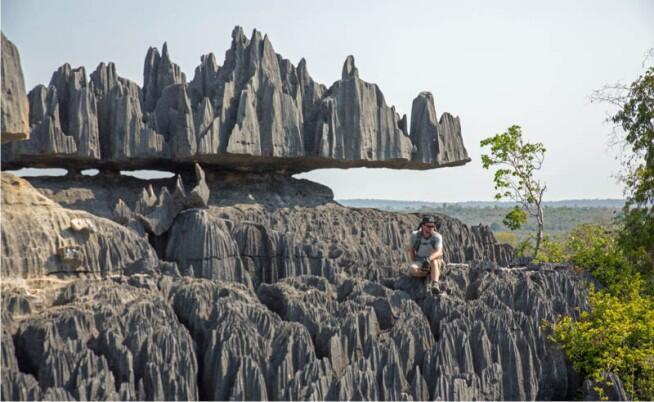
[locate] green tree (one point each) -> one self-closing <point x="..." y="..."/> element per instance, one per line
<point x="617" y="334"/>
<point x="517" y="162"/>
<point x="635" y="121"/>
<point x="515" y="218"/>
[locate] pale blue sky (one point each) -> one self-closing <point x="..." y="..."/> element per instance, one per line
<point x="492" y="63"/>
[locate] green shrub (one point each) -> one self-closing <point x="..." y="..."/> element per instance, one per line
<point x="506" y="238"/>
<point x="596" y="249"/>
<point x="551" y="251"/>
<point x="616" y="335"/>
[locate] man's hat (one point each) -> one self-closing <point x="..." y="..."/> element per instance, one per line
<point x="428" y="219"/>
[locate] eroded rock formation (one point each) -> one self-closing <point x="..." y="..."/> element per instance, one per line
<point x="15" y="110"/>
<point x="257" y="111"/>
<point x="250" y="295"/>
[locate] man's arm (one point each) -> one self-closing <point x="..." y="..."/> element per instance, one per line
<point x="411" y="247"/>
<point x="412" y="253"/>
<point x="436" y="254"/>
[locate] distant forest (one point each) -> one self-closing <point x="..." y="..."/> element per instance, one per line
<point x="395" y="205"/>
<point x="560" y="216"/>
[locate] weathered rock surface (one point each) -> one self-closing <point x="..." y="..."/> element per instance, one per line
<point x="40" y="238"/>
<point x="433" y="139"/>
<point x="251" y="286"/>
<point x="304" y="337"/>
<point x="157" y="212"/>
<point x="158" y="73"/>
<point x="100" y="340"/>
<point x="257" y="112"/>
<point x="303" y="224"/>
<point x="15" y="109"/>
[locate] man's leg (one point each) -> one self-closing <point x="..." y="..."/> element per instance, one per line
<point x="436" y="267"/>
<point x="415" y="271"/>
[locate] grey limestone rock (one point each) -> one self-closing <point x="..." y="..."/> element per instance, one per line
<point x="467" y="349"/>
<point x="158" y="73"/>
<point x="94" y="346"/>
<point x="256" y="112"/>
<point x="64" y="121"/>
<point x="355" y="124"/>
<point x="264" y="118"/>
<point x="124" y="134"/>
<point x="450" y="142"/>
<point x="203" y="242"/>
<point x="289" y="227"/>
<point x="367" y="242"/>
<point x="249" y="352"/>
<point x="173" y="118"/>
<point x="15" y="108"/>
<point x="207" y="129"/>
<point x="39" y="238"/>
<point x="493" y="347"/>
<point x="156" y="212"/>
<point x="434" y="140"/>
<point x="47" y="135"/>
<point x="77" y="109"/>
<point x="199" y="195"/>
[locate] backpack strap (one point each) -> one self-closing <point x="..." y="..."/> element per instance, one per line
<point x="416" y="245"/>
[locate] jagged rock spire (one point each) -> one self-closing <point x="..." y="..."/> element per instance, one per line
<point x="15" y="108"/>
<point x="349" y="69"/>
<point x="158" y="73"/>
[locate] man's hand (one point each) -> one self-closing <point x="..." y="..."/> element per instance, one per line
<point x="425" y="266"/>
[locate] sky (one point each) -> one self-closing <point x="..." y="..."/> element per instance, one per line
<point x="494" y="64"/>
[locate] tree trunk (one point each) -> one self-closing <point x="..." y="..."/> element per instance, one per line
<point x="541" y="229"/>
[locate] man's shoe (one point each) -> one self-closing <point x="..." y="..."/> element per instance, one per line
<point x="434" y="288"/>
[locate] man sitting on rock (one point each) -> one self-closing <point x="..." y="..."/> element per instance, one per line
<point x="426" y="250"/>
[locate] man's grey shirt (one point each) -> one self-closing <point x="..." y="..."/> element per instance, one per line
<point x="426" y="248"/>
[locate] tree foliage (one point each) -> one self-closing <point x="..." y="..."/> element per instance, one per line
<point x="635" y="119"/>
<point x="517" y="162"/>
<point x="515" y="218"/>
